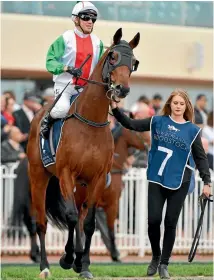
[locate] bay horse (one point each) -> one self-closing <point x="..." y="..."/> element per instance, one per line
<point x="84" y="154"/>
<point x="111" y="195"/>
<point x="109" y="201"/>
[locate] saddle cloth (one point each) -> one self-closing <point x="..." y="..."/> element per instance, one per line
<point x="49" y="147"/>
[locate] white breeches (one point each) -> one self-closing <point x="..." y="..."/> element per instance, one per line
<point x="62" y="106"/>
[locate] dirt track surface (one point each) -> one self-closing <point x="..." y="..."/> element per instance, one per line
<point x="107" y="259"/>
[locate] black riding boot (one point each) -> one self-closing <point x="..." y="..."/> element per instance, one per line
<point x="46" y="124"/>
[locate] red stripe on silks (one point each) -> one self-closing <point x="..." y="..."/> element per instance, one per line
<point x="84" y="47"/>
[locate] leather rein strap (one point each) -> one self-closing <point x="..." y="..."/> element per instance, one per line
<point x="202" y="200"/>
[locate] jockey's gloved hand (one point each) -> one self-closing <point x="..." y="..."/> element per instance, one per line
<point x="76" y="72"/>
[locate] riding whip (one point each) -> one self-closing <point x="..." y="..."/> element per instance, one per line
<point x="202" y="201"/>
<point x="59" y="95"/>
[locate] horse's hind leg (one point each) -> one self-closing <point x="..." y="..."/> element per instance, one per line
<point x="111" y="215"/>
<point x="39" y="179"/>
<point x="67" y="187"/>
<point x="22" y="184"/>
<point x="30" y="223"/>
<point x="101" y="225"/>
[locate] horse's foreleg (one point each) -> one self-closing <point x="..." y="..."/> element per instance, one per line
<point x="39" y="182"/>
<point x="89" y="227"/>
<point x="67" y="187"/>
<point x="79" y="250"/>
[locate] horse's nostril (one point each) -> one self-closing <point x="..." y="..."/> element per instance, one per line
<point x="122" y="91"/>
<point x="122" y="88"/>
<point x="118" y="87"/>
<point x="126" y="89"/>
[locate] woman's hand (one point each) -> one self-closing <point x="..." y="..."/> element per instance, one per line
<point x="113" y="105"/>
<point x="129" y="162"/>
<point x="207" y="190"/>
<point x="22" y="155"/>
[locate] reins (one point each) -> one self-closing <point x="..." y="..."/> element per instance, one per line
<point x="202" y="201"/>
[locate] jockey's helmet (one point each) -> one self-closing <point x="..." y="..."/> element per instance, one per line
<point x="84" y="7"/>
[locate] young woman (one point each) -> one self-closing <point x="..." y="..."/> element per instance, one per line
<point x="174" y="138"/>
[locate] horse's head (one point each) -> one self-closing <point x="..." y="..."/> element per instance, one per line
<point x="119" y="64"/>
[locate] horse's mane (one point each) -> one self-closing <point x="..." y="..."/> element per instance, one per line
<point x="102" y="60"/>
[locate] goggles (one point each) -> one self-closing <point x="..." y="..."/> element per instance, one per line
<point x="86" y="17"/>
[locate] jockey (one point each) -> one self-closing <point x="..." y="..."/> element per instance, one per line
<point x="65" y="56"/>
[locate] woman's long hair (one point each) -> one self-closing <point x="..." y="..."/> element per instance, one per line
<point x="189" y="112"/>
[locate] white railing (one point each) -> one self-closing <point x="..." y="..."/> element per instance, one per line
<point x="131" y="229"/>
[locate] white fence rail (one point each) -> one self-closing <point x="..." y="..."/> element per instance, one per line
<point x="131" y="230"/>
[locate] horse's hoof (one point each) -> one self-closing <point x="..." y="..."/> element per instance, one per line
<point x="116" y="259"/>
<point x="76" y="268"/>
<point x="45" y="273"/>
<point x="64" y="264"/>
<point x="86" y="274"/>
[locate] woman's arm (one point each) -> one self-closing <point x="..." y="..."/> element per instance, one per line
<point x="201" y="161"/>
<point x="137" y="125"/>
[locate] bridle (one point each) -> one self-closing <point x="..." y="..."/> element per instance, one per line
<point x="125" y="58"/>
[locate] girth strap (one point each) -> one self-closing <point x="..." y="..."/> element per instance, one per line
<point x="119" y="171"/>
<point x="82" y="119"/>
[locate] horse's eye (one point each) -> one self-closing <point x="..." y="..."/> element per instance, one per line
<point x="112" y="58"/>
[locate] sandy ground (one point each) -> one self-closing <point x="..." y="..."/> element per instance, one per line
<point x="107" y="259"/>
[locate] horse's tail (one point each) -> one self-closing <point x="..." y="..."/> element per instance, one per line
<point x="55" y="204"/>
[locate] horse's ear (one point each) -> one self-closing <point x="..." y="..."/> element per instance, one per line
<point x="135" y="41"/>
<point x="117" y="36"/>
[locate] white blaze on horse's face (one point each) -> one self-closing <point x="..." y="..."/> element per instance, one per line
<point x="120" y="76"/>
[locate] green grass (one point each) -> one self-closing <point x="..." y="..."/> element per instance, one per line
<point x="106" y="271"/>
